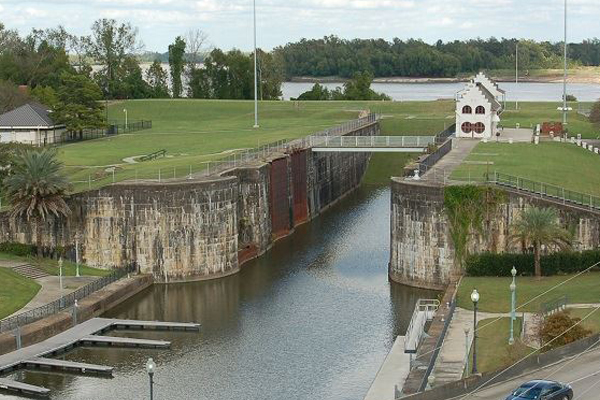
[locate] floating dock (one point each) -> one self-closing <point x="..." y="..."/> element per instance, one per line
<point x="88" y="333"/>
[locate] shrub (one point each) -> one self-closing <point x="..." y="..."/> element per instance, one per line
<point x="555" y="325"/>
<point x="17" y="249"/>
<point x="563" y="262"/>
<point x="571" y="97"/>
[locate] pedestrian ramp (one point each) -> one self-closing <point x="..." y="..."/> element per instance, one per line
<point x="424" y="311"/>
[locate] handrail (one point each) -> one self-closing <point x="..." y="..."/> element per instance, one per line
<point x="546" y="190"/>
<point x="417" y="322"/>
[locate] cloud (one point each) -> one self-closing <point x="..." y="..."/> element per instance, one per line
<point x="228" y="22"/>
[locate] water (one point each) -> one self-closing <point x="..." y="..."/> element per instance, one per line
<point x="526" y="91"/>
<point x="312" y="319"/>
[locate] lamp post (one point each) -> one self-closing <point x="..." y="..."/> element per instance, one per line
<point x="467" y="349"/>
<point x="150" y="367"/>
<point x="60" y="280"/>
<point x="565" y="73"/>
<point x="517" y="74"/>
<point x="125" y="111"/>
<point x="475" y="300"/>
<point x="513" y="289"/>
<point x="77" y="256"/>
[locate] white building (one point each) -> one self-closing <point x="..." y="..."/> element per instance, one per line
<point x="30" y="124"/>
<point x="478" y="108"/>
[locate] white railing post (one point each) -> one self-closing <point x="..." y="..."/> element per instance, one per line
<point x="402" y="141"/>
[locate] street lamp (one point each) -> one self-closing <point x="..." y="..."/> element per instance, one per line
<point x="60" y="266"/>
<point x="513" y="289"/>
<point x="150" y="367"/>
<point x="77" y="255"/>
<point x="517" y="75"/>
<point x="467" y="349"/>
<point x="475" y="300"/>
<point x="565" y="75"/>
<point x="125" y="111"/>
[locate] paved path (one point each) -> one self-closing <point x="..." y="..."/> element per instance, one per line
<point x="393" y="371"/>
<point x="450" y="363"/>
<point x="583" y="373"/>
<point x="51" y="291"/>
<point x="461" y="148"/>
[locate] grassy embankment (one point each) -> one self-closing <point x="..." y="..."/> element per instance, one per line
<point x="493" y="350"/>
<point x="495" y="292"/>
<point x="15" y="291"/>
<point x="196" y="131"/>
<point x="577" y="74"/>
<point x="560" y="164"/>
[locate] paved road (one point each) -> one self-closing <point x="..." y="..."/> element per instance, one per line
<point x="582" y="373"/>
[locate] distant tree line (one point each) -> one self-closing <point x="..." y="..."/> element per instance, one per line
<point x="332" y="56"/>
<point x="357" y="88"/>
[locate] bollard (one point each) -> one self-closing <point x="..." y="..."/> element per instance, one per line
<point x="18" y="337"/>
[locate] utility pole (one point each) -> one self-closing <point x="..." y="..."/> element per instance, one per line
<point x="565" y="75"/>
<point x="255" y="72"/>
<point x="516" y="76"/>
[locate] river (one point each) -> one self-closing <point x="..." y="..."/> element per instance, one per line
<point x="312" y="319"/>
<point x="525" y="91"/>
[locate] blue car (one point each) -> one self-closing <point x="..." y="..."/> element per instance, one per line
<point x="542" y="390"/>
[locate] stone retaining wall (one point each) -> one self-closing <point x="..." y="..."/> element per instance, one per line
<point x="422" y="252"/>
<point x="199" y="229"/>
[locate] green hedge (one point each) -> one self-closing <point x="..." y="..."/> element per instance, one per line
<point x="17" y="249"/>
<point x="565" y="262"/>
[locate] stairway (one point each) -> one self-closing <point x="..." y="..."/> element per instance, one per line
<point x="29" y="271"/>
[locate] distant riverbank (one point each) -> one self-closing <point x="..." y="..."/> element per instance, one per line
<point x="576" y="75"/>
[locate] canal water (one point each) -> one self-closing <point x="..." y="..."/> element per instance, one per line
<point x="312" y="319"/>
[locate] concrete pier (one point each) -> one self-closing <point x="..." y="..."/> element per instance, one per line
<point x="86" y="333"/>
<point x="392" y="373"/>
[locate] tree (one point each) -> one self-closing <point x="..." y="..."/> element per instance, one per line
<point x="110" y="46"/>
<point x="539" y="227"/>
<point x="45" y="95"/>
<point x="156" y="77"/>
<point x="317" y="92"/>
<point x="560" y="329"/>
<point x="11" y="97"/>
<point x="36" y="189"/>
<point x="177" y="63"/>
<point x="79" y="107"/>
<point x="595" y="113"/>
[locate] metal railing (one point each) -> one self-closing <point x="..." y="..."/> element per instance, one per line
<point x="424" y="311"/>
<point x="434" y="157"/>
<point x="373" y="141"/>
<point x="65" y="302"/>
<point x="102" y="177"/>
<point x="554" y="305"/>
<point x="546" y="190"/>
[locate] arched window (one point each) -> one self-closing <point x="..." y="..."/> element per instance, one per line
<point x="480" y="110"/>
<point x="467" y="110"/>
<point x="479" y="127"/>
<point x="466" y="127"/>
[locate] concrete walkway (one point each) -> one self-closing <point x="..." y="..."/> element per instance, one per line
<point x="51" y="291"/>
<point x="393" y="372"/>
<point x="441" y="171"/>
<point x="450" y="364"/>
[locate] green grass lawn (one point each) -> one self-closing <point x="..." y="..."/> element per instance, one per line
<point x="15" y="291"/>
<point x="495" y="292"/>
<point x="196" y="131"/>
<point x="530" y="114"/>
<point x="51" y="266"/>
<point x="493" y="350"/>
<point x="560" y="164"/>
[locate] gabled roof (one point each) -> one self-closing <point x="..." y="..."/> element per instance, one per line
<point x="493" y="82"/>
<point x="489" y="96"/>
<point x="28" y="115"/>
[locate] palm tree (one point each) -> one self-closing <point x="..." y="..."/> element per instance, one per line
<point x="36" y="189"/>
<point x="537" y="227"/>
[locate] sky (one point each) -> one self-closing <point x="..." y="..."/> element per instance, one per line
<point x="228" y="23"/>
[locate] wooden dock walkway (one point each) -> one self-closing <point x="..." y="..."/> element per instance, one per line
<point x="85" y="334"/>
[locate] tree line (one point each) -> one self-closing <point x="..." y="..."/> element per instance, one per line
<point x="333" y="56"/>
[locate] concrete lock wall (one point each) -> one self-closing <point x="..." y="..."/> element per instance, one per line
<point x="422" y="252"/>
<point x="199" y="229"/>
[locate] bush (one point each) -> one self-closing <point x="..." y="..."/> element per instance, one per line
<point x="17" y="249"/>
<point x="571" y="97"/>
<point x="555" y="325"/>
<point x="563" y="262"/>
